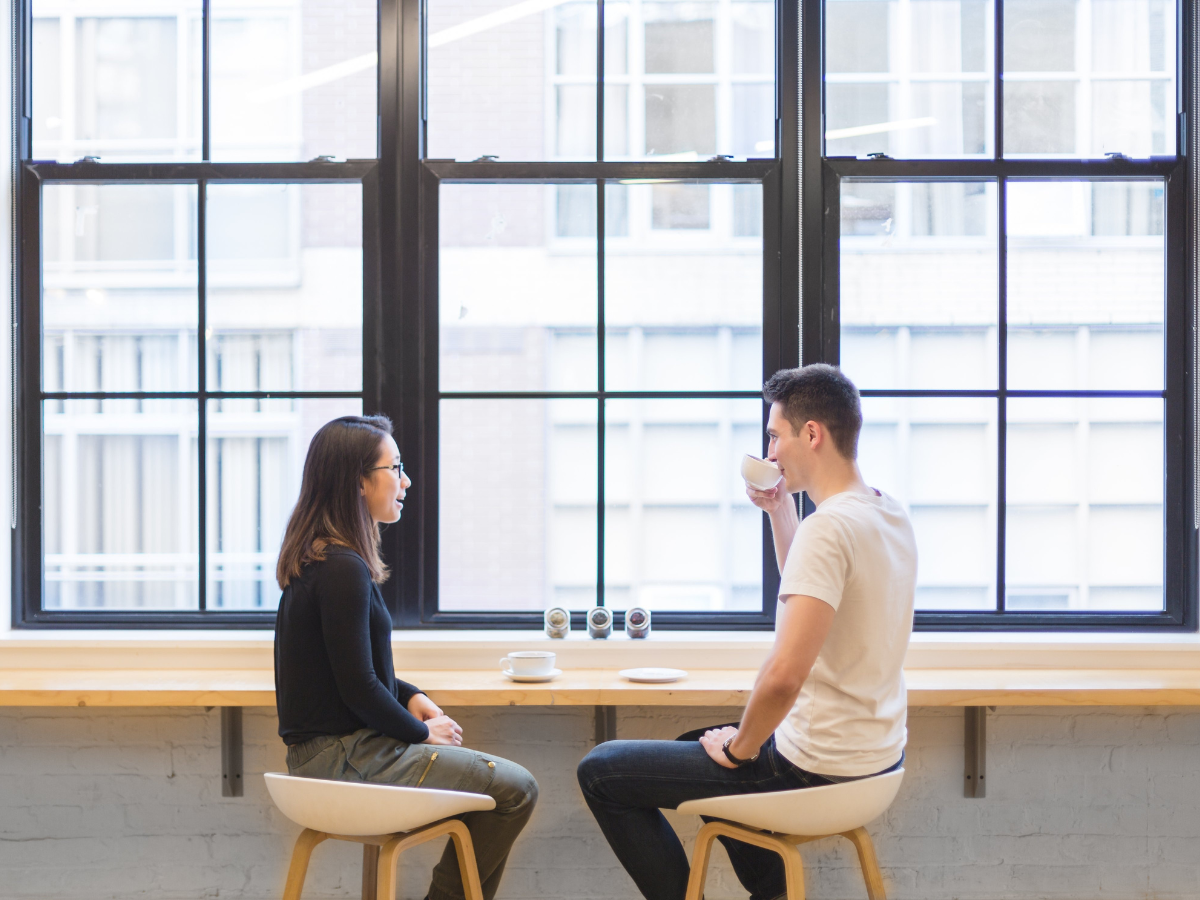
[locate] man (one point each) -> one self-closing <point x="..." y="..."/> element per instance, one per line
<point x="829" y="704"/>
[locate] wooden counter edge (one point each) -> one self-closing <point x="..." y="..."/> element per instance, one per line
<point x="602" y="687"/>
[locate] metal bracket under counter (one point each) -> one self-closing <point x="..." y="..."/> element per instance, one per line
<point x="231" y="751"/>
<point x="606" y="724"/>
<point x="975" y="751"/>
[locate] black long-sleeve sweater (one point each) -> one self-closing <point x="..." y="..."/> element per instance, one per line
<point x="333" y="656"/>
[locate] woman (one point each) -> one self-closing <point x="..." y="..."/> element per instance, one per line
<point x="342" y="712"/>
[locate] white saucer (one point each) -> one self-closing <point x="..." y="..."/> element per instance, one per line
<point x="653" y="676"/>
<point x="531" y="679"/>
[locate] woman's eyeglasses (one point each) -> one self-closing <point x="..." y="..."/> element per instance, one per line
<point x="397" y="469"/>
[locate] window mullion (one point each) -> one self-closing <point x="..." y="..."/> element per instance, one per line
<point x="1002" y="385"/>
<point x="205" y="80"/>
<point x="202" y="388"/>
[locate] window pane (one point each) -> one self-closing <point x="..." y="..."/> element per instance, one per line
<point x="1089" y="78"/>
<point x="683" y="305"/>
<point x="679" y="37"/>
<point x="574" y="55"/>
<point x="293" y="80"/>
<point x="617" y="29"/>
<point x="681" y="119"/>
<point x="517" y="305"/>
<point x="118" y="287"/>
<point x="1039" y="35"/>
<point x="285" y="293"/>
<point x="487" y="68"/>
<point x="1136" y="118"/>
<point x="682" y="79"/>
<point x="856" y="35"/>
<point x="532" y="544"/>
<point x="1085" y="285"/>
<point x="1039" y="117"/>
<point x="680" y="533"/>
<point x="681" y="206"/>
<point x="120" y="520"/>
<point x="754" y="120"/>
<point x="753" y="38"/>
<point x="937" y="457"/>
<point x="918" y="285"/>
<point x="747" y="210"/>
<point x="121" y="87"/>
<point x="256" y="451"/>
<point x="910" y="79"/>
<point x="1085" y="493"/>
<point x="616" y="121"/>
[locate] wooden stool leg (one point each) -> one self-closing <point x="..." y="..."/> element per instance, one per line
<point x="465" y="849"/>
<point x="793" y="870"/>
<point x="299" y="866"/>
<point x="370" y="873"/>
<point x="700" y="857"/>
<point x="870" y="865"/>
<point x="385" y="868"/>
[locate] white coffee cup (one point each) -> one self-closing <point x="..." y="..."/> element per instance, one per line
<point x="529" y="662"/>
<point x="760" y="474"/>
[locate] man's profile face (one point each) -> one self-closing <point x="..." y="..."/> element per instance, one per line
<point x="787" y="449"/>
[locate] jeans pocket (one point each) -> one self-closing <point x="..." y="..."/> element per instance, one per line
<point x="773" y="756"/>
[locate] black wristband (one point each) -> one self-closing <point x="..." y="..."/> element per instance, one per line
<point x="733" y="759"/>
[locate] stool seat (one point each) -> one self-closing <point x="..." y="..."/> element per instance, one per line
<point x="825" y="810"/>
<point x="357" y="809"/>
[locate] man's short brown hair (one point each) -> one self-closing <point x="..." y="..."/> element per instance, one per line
<point x="819" y="393"/>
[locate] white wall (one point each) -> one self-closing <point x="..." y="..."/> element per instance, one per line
<point x="1083" y="804"/>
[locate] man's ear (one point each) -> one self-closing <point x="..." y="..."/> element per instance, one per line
<point x="815" y="433"/>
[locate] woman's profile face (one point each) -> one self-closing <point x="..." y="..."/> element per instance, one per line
<point x="384" y="486"/>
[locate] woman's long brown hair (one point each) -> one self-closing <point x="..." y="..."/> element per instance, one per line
<point x="331" y="508"/>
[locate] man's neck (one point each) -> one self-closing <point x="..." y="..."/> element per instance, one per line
<point x="840" y="478"/>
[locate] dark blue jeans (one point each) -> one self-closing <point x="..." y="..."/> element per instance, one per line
<point x="627" y="783"/>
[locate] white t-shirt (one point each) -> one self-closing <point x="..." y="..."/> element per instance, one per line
<point x="856" y="552"/>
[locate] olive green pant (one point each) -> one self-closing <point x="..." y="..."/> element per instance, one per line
<point x="367" y="755"/>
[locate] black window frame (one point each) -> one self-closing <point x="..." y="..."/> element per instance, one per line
<point x="410" y="392"/>
<point x="28" y="393"/>
<point x="400" y="320"/>
<point x="400" y="192"/>
<point x="821" y="313"/>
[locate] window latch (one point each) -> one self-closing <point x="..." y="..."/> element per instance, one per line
<point x="878" y="154"/>
<point x="721" y="157"/>
<point x="324" y="158"/>
<point x="83" y="160"/>
<point x="1117" y="156"/>
<point x="487" y="157"/>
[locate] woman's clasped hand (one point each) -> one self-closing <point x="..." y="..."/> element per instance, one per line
<point x="442" y="729"/>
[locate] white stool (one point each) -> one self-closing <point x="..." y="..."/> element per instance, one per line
<point x="779" y="821"/>
<point x="384" y="818"/>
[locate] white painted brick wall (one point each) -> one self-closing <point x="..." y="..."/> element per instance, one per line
<point x="1082" y="804"/>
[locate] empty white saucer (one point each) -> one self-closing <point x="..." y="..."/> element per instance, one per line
<point x="651" y="675"/>
<point x="531" y="679"/>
